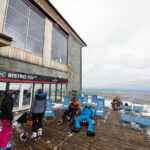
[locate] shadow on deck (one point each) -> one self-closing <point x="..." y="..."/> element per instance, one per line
<point x="110" y="135"/>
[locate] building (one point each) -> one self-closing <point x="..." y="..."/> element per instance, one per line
<point x="38" y="49"/>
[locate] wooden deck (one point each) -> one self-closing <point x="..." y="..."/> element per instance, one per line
<point x="110" y="135"/>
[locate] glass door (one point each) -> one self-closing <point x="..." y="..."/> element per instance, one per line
<point x="53" y="91"/>
<point x="63" y="91"/>
<point x="46" y="89"/>
<point x="26" y="90"/>
<point x="17" y="99"/>
<point x="2" y="88"/>
<point x="36" y="87"/>
<point x="58" y="93"/>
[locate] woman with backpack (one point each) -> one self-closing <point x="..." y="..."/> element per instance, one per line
<point x="6" y="117"/>
<point x="37" y="109"/>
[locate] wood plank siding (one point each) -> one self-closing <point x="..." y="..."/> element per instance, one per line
<point x="3" y="4"/>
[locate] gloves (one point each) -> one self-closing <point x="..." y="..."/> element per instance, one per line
<point x="9" y="125"/>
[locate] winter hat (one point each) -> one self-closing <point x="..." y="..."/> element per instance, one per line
<point x="23" y="137"/>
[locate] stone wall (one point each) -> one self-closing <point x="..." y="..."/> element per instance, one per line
<point x="18" y="66"/>
<point x="74" y="63"/>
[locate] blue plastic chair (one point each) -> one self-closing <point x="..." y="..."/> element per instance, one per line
<point x="94" y="100"/>
<point x="79" y="96"/>
<point x="129" y="108"/>
<point x="80" y="100"/>
<point x="49" y="109"/>
<point x="137" y="108"/>
<point x="66" y="103"/>
<point x="100" y="107"/>
<point x="143" y="121"/>
<point x="126" y="118"/>
<point x="85" y="99"/>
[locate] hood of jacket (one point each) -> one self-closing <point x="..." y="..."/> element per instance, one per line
<point x="40" y="96"/>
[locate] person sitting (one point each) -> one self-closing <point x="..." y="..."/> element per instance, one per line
<point x="117" y="103"/>
<point x="87" y="114"/>
<point x="74" y="107"/>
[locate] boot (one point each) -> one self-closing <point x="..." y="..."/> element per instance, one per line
<point x="39" y="133"/>
<point x="91" y="133"/>
<point x="61" y="121"/>
<point x="75" y="129"/>
<point x="71" y="122"/>
<point x="34" y="136"/>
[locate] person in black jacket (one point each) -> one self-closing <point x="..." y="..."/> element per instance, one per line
<point x="6" y="116"/>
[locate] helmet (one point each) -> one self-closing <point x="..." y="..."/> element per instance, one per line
<point x="87" y="103"/>
<point x="23" y="137"/>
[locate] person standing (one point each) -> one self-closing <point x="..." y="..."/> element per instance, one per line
<point x="37" y="109"/>
<point x="6" y="117"/>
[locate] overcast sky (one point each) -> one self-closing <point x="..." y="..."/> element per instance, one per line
<point x="117" y="33"/>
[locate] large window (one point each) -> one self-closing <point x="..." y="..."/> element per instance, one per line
<point x="2" y="88"/>
<point x="59" y="46"/>
<point x="16" y="87"/>
<point x="25" y="26"/>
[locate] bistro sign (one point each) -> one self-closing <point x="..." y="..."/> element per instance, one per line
<point x="28" y="77"/>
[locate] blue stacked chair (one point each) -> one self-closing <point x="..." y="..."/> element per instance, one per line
<point x="49" y="109"/>
<point x="100" y="109"/>
<point x="126" y="118"/>
<point x="94" y="100"/>
<point x="137" y="108"/>
<point x="128" y="108"/>
<point x="143" y="121"/>
<point x="66" y="103"/>
<point x="85" y="99"/>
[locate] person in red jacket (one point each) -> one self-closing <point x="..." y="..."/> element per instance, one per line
<point x="73" y="108"/>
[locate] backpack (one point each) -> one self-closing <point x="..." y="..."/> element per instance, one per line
<point x="1" y="100"/>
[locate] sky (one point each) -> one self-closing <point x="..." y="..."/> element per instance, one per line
<point x="117" y="34"/>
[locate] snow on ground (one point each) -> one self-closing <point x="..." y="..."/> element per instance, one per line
<point x="57" y="105"/>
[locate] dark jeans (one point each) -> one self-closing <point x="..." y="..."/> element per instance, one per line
<point x="73" y="112"/>
<point x="37" y="121"/>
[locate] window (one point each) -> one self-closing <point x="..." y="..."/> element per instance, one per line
<point x="53" y="88"/>
<point x="27" y="94"/>
<point x="59" y="46"/>
<point x="16" y="87"/>
<point x="25" y="26"/>
<point x="2" y="88"/>
<point x="46" y="89"/>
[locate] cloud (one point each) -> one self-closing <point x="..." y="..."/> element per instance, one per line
<point x="117" y="35"/>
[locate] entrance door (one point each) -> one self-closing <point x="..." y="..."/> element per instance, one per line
<point x="26" y="94"/>
<point x="58" y="93"/>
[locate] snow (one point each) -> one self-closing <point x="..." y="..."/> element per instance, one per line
<point x="56" y="105"/>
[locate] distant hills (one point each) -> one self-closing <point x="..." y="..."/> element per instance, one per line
<point x="115" y="91"/>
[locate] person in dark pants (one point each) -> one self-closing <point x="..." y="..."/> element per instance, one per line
<point x="73" y="108"/>
<point x="37" y="109"/>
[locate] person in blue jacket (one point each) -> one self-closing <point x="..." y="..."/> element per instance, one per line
<point x="87" y="114"/>
<point x="37" y="109"/>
